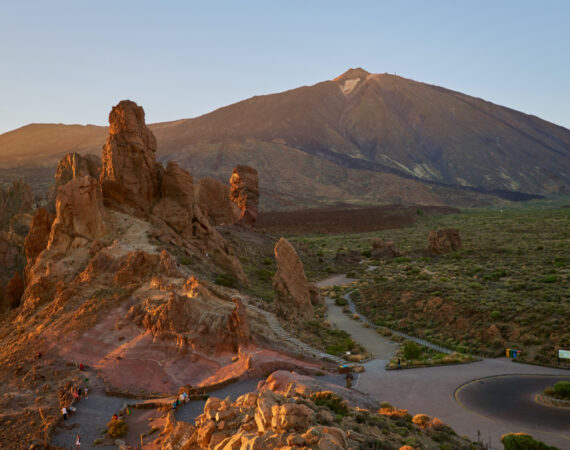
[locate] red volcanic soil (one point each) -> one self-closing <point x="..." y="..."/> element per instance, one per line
<point x="330" y="220"/>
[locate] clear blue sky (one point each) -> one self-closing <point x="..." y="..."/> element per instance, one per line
<point x="70" y="61"/>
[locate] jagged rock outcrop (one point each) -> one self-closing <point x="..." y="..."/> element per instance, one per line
<point x="444" y="241"/>
<point x="80" y="215"/>
<point x="130" y="175"/>
<point x="213" y="198"/>
<point x="176" y="205"/>
<point x="350" y="257"/>
<point x="74" y="165"/>
<point x="244" y="192"/>
<point x="12" y="293"/>
<point x="293" y="291"/>
<point x="239" y="326"/>
<point x="37" y="238"/>
<point x="384" y="249"/>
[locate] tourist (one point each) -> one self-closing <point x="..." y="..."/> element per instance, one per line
<point x="77" y="442"/>
<point x="85" y="391"/>
<point x="64" y="413"/>
<point x="81" y="367"/>
<point x="399" y="364"/>
<point x="349" y="378"/>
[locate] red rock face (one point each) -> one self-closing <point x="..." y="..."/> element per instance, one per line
<point x="9" y="258"/>
<point x="244" y="192"/>
<point x="444" y="241"/>
<point x="130" y="176"/>
<point x="80" y="215"/>
<point x="213" y="199"/>
<point x="290" y="283"/>
<point x="37" y="239"/>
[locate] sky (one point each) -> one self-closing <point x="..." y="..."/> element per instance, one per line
<point x="71" y="61"/>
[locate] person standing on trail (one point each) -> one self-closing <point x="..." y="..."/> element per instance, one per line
<point x="64" y="413"/>
<point x="85" y="391"/>
<point x="399" y="364"/>
<point x="77" y="442"/>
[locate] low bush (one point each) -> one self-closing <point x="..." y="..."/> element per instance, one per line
<point x="117" y="429"/>
<point x="411" y="350"/>
<point x="421" y="420"/>
<point x="226" y="279"/>
<point x="332" y="401"/>
<point x="523" y="441"/>
<point x="562" y="389"/>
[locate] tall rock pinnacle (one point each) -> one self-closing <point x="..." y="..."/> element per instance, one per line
<point x="130" y="176"/>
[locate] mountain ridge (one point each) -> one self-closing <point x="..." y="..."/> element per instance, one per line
<point x="378" y="123"/>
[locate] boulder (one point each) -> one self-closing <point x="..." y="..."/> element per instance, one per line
<point x="80" y="215"/>
<point x="244" y="192"/>
<point x="37" y="239"/>
<point x="130" y="176"/>
<point x="384" y="249"/>
<point x="444" y="241"/>
<point x="293" y="291"/>
<point x="213" y="198"/>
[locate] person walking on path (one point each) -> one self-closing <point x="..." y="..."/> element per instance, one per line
<point x="399" y="364"/>
<point x="77" y="442"/>
<point x="85" y="391"/>
<point x="64" y="413"/>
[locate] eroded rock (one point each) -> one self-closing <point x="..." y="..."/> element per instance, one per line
<point x="293" y="291"/>
<point x="244" y="192"/>
<point x="213" y="198"/>
<point x="130" y="175"/>
<point x="444" y="241"/>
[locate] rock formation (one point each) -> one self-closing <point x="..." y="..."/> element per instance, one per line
<point x="304" y="414"/>
<point x="80" y="215"/>
<point x="37" y="238"/>
<point x="176" y="206"/>
<point x="18" y="200"/>
<point x="244" y="192"/>
<point x="74" y="165"/>
<point x="384" y="249"/>
<point x="213" y="199"/>
<point x="130" y="176"/>
<point x="239" y="326"/>
<point x="444" y="241"/>
<point x="293" y="291"/>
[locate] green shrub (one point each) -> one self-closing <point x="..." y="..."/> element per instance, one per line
<point x="562" y="389"/>
<point x="226" y="279"/>
<point x="340" y="301"/>
<point x="523" y="441"/>
<point x="549" y="279"/>
<point x="264" y="275"/>
<point x="117" y="428"/>
<point x="402" y="259"/>
<point x="411" y="350"/>
<point x="329" y="269"/>
<point x="185" y="261"/>
<point x="366" y="253"/>
<point x="267" y="261"/>
<point x="331" y="401"/>
<point x="496" y="314"/>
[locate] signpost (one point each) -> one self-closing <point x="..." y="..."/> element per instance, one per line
<point x="563" y="354"/>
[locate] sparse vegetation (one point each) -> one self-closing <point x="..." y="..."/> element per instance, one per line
<point x="117" y="428"/>
<point x="520" y="441"/>
<point x="226" y="279"/>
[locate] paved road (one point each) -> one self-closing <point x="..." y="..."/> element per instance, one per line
<point x="431" y="390"/>
<point x="512" y="399"/>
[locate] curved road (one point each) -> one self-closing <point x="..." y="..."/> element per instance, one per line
<point x="512" y="399"/>
<point x="476" y="411"/>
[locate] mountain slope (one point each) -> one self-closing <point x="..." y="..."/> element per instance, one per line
<point x="307" y="140"/>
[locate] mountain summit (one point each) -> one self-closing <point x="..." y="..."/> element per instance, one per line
<point x="360" y="138"/>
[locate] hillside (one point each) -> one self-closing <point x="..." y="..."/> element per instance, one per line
<point x="347" y="140"/>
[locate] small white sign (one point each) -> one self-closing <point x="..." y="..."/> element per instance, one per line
<point x="564" y="354"/>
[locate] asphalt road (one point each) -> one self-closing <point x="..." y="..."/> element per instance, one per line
<point x="511" y="398"/>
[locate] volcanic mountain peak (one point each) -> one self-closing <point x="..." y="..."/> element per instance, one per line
<point x="351" y="74"/>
